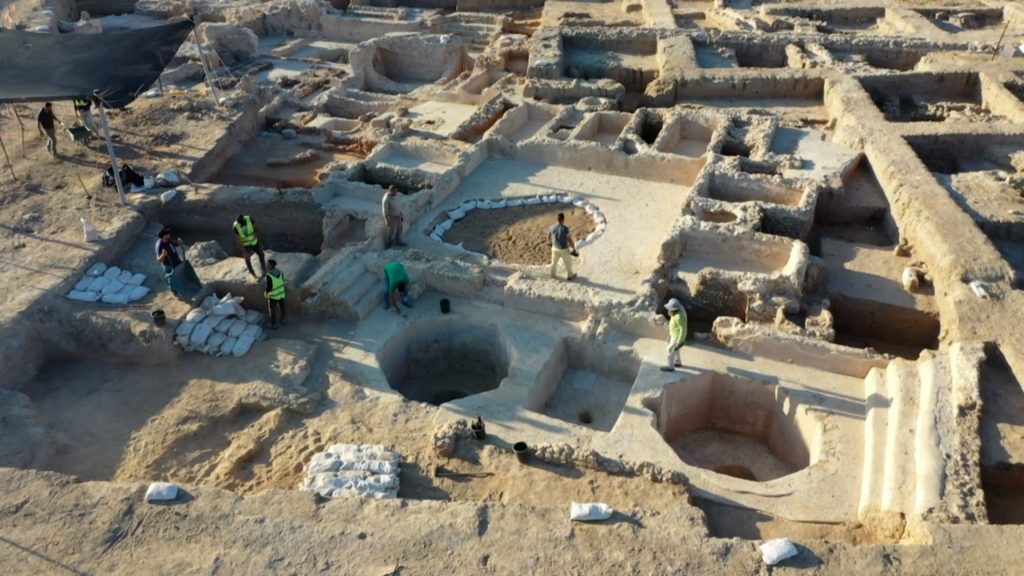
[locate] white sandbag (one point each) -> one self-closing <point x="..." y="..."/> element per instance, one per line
<point x="115" y="298"/>
<point x="775" y="551"/>
<point x="196" y="315"/>
<point x="113" y="272"/>
<point x="591" y="209"/>
<point x="215" y="341"/>
<point x="96" y="269"/>
<point x="444" y="226"/>
<point x="515" y="202"/>
<point x="202" y="332"/>
<point x="911" y="280"/>
<point x="550" y="199"/>
<point x="126" y="289"/>
<point x="161" y="492"/>
<point x="169" y="178"/>
<point x="84" y="296"/>
<point x="579" y="202"/>
<point x="185" y="328"/>
<point x="227" y="346"/>
<point x="533" y="201"/>
<point x="242" y="346"/>
<point x="99" y="284"/>
<point x="231" y="308"/>
<point x="137" y="293"/>
<point x="436" y="237"/>
<point x="237" y="327"/>
<point x="253" y="317"/>
<point x="125" y="277"/>
<point x="589" y="511"/>
<point x="209" y="302"/>
<point x="323" y="462"/>
<point x="251" y="331"/>
<point x="224" y="324"/>
<point x="112" y="287"/>
<point x="457" y="214"/>
<point x="468" y="205"/>
<point x="599" y="218"/>
<point x="499" y="203"/>
<point x="169" y="195"/>
<point x="138" y="279"/>
<point x="83" y="284"/>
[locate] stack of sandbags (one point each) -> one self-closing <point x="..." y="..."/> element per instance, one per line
<point x="110" y="285"/>
<point x="220" y="327"/>
<point x="354" y="470"/>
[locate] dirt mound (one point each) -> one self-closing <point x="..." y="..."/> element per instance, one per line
<point x="517" y="235"/>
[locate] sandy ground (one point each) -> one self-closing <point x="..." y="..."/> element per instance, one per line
<point x="518" y="235"/>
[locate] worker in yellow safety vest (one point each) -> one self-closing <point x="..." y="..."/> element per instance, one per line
<point x="83" y="111"/>
<point x="275" y="295"/>
<point x="247" y="236"/>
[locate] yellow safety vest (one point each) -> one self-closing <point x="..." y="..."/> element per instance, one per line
<point x="81" y="104"/>
<point x="247" y="232"/>
<point x="276" y="285"/>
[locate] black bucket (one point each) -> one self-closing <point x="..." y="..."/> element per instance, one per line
<point x="522" y="451"/>
<point x="446" y="306"/>
<point x="159" y="318"/>
<point x="479" y="432"/>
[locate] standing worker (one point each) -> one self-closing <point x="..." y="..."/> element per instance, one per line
<point x="677" y="334"/>
<point x="83" y="111"/>
<point x="562" y="247"/>
<point x="168" y="256"/>
<point x="275" y="294"/>
<point x="396" y="286"/>
<point x="46" y="122"/>
<point x="392" y="218"/>
<point x="247" y="236"/>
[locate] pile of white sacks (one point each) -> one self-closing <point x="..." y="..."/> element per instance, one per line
<point x="110" y="285"/>
<point x="354" y="470"/>
<point x="466" y="207"/>
<point x="220" y="327"/>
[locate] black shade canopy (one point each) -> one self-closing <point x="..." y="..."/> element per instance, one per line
<point x="119" y="65"/>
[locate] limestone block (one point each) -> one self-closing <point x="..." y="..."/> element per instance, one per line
<point x="231" y="43"/>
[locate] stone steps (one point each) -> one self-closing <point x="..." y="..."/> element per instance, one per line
<point x="356" y="292"/>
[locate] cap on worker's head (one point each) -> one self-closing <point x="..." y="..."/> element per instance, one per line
<point x="673" y="304"/>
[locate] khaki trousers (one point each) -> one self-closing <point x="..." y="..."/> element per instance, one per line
<point x="566" y="258"/>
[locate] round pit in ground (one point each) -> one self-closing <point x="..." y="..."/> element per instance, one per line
<point x="519" y="234"/>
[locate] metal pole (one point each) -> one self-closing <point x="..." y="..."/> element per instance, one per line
<point x="9" y="165"/>
<point x="22" y="124"/>
<point x="206" y="68"/>
<point x="1000" y="42"/>
<point x="113" y="157"/>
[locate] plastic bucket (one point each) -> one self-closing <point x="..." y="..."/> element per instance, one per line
<point x="159" y="318"/>
<point x="446" y="306"/>
<point x="522" y="451"/>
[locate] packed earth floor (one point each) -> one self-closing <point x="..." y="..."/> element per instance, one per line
<point x="834" y="191"/>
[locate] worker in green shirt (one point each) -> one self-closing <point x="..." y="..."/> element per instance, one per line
<point x="396" y="283"/>
<point x="677" y="334"/>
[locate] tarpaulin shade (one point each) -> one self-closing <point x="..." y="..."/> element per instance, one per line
<point x="120" y="65"/>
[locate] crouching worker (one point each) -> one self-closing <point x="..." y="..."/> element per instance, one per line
<point x="396" y="286"/>
<point x="677" y="334"/>
<point x="178" y="273"/>
<point x="275" y="294"/>
<point x="247" y="236"/>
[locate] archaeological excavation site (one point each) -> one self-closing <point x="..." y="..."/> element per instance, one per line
<point x="831" y="190"/>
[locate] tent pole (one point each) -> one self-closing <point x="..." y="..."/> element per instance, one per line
<point x="22" y="124"/>
<point x="113" y="157"/>
<point x="206" y="68"/>
<point x="9" y="165"/>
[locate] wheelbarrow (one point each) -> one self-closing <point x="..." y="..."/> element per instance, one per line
<point x="80" y="135"/>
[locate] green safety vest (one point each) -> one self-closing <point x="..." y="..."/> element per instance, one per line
<point x="247" y="232"/>
<point x="276" y="285"/>
<point x="81" y="104"/>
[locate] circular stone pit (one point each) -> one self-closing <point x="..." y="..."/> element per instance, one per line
<point x="438" y="361"/>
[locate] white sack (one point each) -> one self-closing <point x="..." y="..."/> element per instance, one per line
<point x="589" y="511"/>
<point x="138" y="293"/>
<point x="112" y="287"/>
<point x="115" y="298"/>
<point x="161" y="492"/>
<point x="96" y="269"/>
<point x="242" y="346"/>
<point x="196" y="315"/>
<point x="237" y="327"/>
<point x="227" y="346"/>
<point x="83" y="284"/>
<point x="775" y="551"/>
<point x="137" y="279"/>
<point x="99" y="284"/>
<point x="113" y="272"/>
<point x="83" y="296"/>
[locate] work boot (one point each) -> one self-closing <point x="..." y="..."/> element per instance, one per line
<point x="667" y="369"/>
<point x="571" y="277"/>
<point x="678" y="364"/>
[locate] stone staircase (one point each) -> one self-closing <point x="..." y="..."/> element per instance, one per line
<point x="345" y="289"/>
<point x="477" y="30"/>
